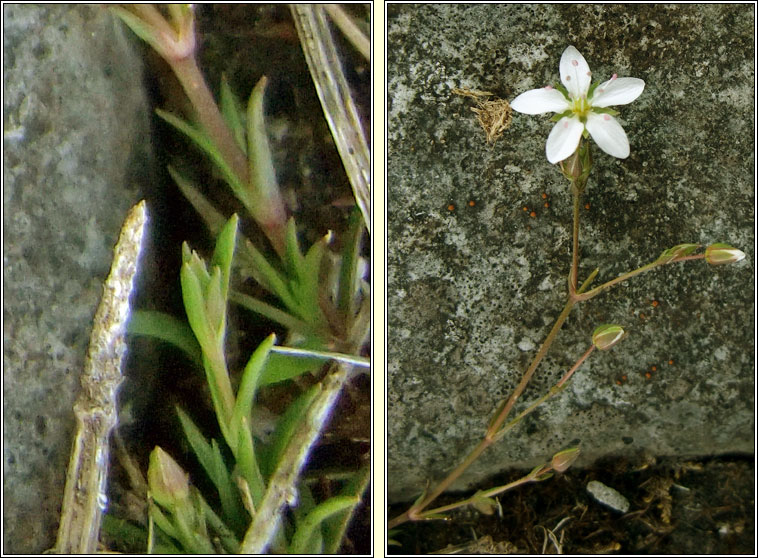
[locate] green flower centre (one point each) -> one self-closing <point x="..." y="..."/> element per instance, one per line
<point x="581" y="107"/>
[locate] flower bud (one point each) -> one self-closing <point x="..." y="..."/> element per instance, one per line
<point x="572" y="167"/>
<point x="564" y="459"/>
<point x="607" y="335"/>
<point x="720" y="253"/>
<point x="169" y="484"/>
<point x="483" y="504"/>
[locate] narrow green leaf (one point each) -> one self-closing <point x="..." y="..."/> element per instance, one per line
<point x="167" y="328"/>
<point x="262" y="174"/>
<point x="211" y="460"/>
<point x="213" y="218"/>
<point x="222" y="396"/>
<point x="314" y="519"/>
<point x="226" y="536"/>
<point x="250" y="380"/>
<point x="310" y="279"/>
<point x="287" y="425"/>
<point x="144" y="31"/>
<point x="271" y="278"/>
<point x="231" y="504"/>
<point x="349" y="268"/>
<point x="206" y="144"/>
<point x="224" y="252"/>
<point x="286" y="367"/>
<point x="247" y="462"/>
<point x="294" y="257"/>
<point x="198" y="267"/>
<point x="230" y="109"/>
<point x="215" y="305"/>
<point x="334" y="528"/>
<point x="163" y="522"/>
<point x="194" y="306"/>
<point x="186" y="253"/>
<point x="128" y="534"/>
<point x="272" y="313"/>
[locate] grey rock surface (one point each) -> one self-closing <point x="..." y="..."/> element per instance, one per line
<point x="76" y="134"/>
<point x="475" y="282"/>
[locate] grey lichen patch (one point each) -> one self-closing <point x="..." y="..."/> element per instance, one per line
<point x="489" y="279"/>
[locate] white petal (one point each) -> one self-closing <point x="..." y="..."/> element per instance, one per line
<point x="563" y="138"/>
<point x="575" y="73"/>
<point x="620" y="91"/>
<point x="539" y="101"/>
<point x="608" y="134"/>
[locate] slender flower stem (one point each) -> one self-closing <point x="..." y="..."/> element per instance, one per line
<point x="575" y="251"/>
<point x="488" y="494"/>
<point x="555" y="390"/>
<point x="652" y="265"/>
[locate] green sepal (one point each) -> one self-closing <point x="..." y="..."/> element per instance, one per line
<point x="560" y="87"/>
<point x="556" y="117"/>
<point x="591" y="90"/>
<point x="605" y="110"/>
<point x="163" y="522"/>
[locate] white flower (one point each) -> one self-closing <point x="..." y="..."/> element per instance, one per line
<point x="581" y="108"/>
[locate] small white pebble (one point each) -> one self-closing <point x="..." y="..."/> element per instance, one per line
<point x="525" y="344"/>
<point x="608" y="496"/>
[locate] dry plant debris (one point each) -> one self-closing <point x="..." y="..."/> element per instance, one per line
<point x="494" y="115"/>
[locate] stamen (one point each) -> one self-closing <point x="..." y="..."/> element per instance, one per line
<point x="606" y="117"/>
<point x="568" y="78"/>
<point x="575" y="62"/>
<point x="565" y="124"/>
<point x="548" y="87"/>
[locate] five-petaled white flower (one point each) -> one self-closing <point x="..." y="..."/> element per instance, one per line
<point x="581" y="108"/>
